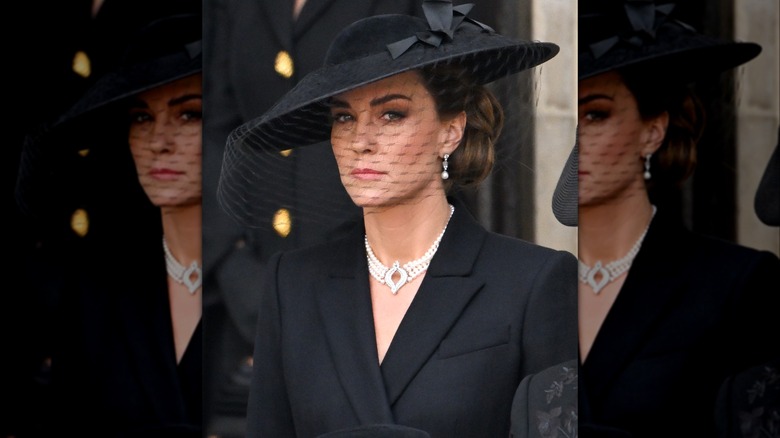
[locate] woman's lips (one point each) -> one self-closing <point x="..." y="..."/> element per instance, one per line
<point x="164" y="174"/>
<point x="366" y="174"/>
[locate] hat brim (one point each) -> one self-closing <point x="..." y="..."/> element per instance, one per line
<point x="565" y="202"/>
<point x="301" y="118"/>
<point x="683" y="64"/>
<point x="674" y="53"/>
<point x="119" y="85"/>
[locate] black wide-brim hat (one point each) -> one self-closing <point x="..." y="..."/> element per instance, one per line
<point x="642" y="34"/>
<point x="367" y="51"/>
<point x="163" y="51"/>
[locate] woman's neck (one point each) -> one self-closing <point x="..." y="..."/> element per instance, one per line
<point x="182" y="231"/>
<point x="606" y="232"/>
<point x="405" y="232"/>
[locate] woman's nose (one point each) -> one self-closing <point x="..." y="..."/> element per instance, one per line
<point x="365" y="137"/>
<point x="163" y="136"/>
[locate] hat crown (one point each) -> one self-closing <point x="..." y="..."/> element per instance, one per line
<point x="396" y="34"/>
<point x="176" y="34"/>
<point x="628" y="23"/>
<point x="371" y="36"/>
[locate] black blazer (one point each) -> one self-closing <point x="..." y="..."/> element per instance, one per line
<point x="114" y="371"/>
<point x="692" y="311"/>
<point x="490" y="310"/>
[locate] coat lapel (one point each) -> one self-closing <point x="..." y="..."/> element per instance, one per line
<point x="445" y="291"/>
<point x="345" y="306"/>
<point x="652" y="285"/>
<point x="147" y="328"/>
<point x="311" y="12"/>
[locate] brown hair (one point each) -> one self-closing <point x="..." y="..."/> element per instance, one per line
<point x="675" y="160"/>
<point x="454" y="91"/>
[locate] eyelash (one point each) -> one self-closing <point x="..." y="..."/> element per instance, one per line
<point x="191" y="115"/>
<point x="139" y="117"/>
<point x="596" y="115"/>
<point x="389" y="116"/>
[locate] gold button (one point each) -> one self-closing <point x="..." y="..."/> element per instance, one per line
<point x="286" y="152"/>
<point x="83" y="152"/>
<point x="282" y="222"/>
<point x="284" y="64"/>
<point x="79" y="222"/>
<point x="81" y="64"/>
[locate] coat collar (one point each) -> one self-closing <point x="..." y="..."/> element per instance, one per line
<point x="345" y="306"/>
<point x="651" y="287"/>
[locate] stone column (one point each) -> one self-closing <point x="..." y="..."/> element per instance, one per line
<point x="758" y="115"/>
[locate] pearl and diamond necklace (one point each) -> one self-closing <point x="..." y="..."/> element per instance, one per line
<point x="611" y="271"/>
<point x="408" y="271"/>
<point x="180" y="274"/>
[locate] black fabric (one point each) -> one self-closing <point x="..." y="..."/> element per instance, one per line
<point x="748" y="402"/>
<point x="693" y="311"/>
<point x="545" y="403"/>
<point x="377" y="431"/>
<point x="490" y="311"/>
<point x="114" y="370"/>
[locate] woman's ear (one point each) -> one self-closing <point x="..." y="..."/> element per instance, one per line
<point x="452" y="133"/>
<point x="655" y="132"/>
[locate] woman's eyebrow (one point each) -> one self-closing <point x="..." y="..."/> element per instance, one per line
<point x="592" y="97"/>
<point x="388" y="98"/>
<point x="185" y="98"/>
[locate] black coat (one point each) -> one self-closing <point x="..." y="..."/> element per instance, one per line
<point x="114" y="370"/>
<point x="490" y="311"/>
<point x="693" y="310"/>
<point x="242" y="39"/>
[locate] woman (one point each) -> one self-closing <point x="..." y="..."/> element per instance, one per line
<point x="417" y="316"/>
<point x="127" y="355"/>
<point x="665" y="315"/>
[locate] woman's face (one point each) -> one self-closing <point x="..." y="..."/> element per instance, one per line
<point x="165" y="141"/>
<point x="613" y="140"/>
<point x="388" y="141"/>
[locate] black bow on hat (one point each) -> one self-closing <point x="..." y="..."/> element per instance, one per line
<point x="443" y="18"/>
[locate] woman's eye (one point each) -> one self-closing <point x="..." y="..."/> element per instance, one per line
<point x="342" y="118"/>
<point x="191" y="115"/>
<point x="594" y="115"/>
<point x="140" y="117"/>
<point x="393" y="115"/>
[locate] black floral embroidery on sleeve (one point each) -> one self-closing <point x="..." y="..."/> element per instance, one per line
<point x="762" y="417"/>
<point x="560" y="420"/>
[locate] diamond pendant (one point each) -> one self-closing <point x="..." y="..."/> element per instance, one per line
<point x="598" y="285"/>
<point x="191" y="285"/>
<point x="389" y="277"/>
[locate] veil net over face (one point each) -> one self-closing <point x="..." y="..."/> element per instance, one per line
<point x="381" y="121"/>
<point x="164" y="137"/>
<point x="612" y="139"/>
